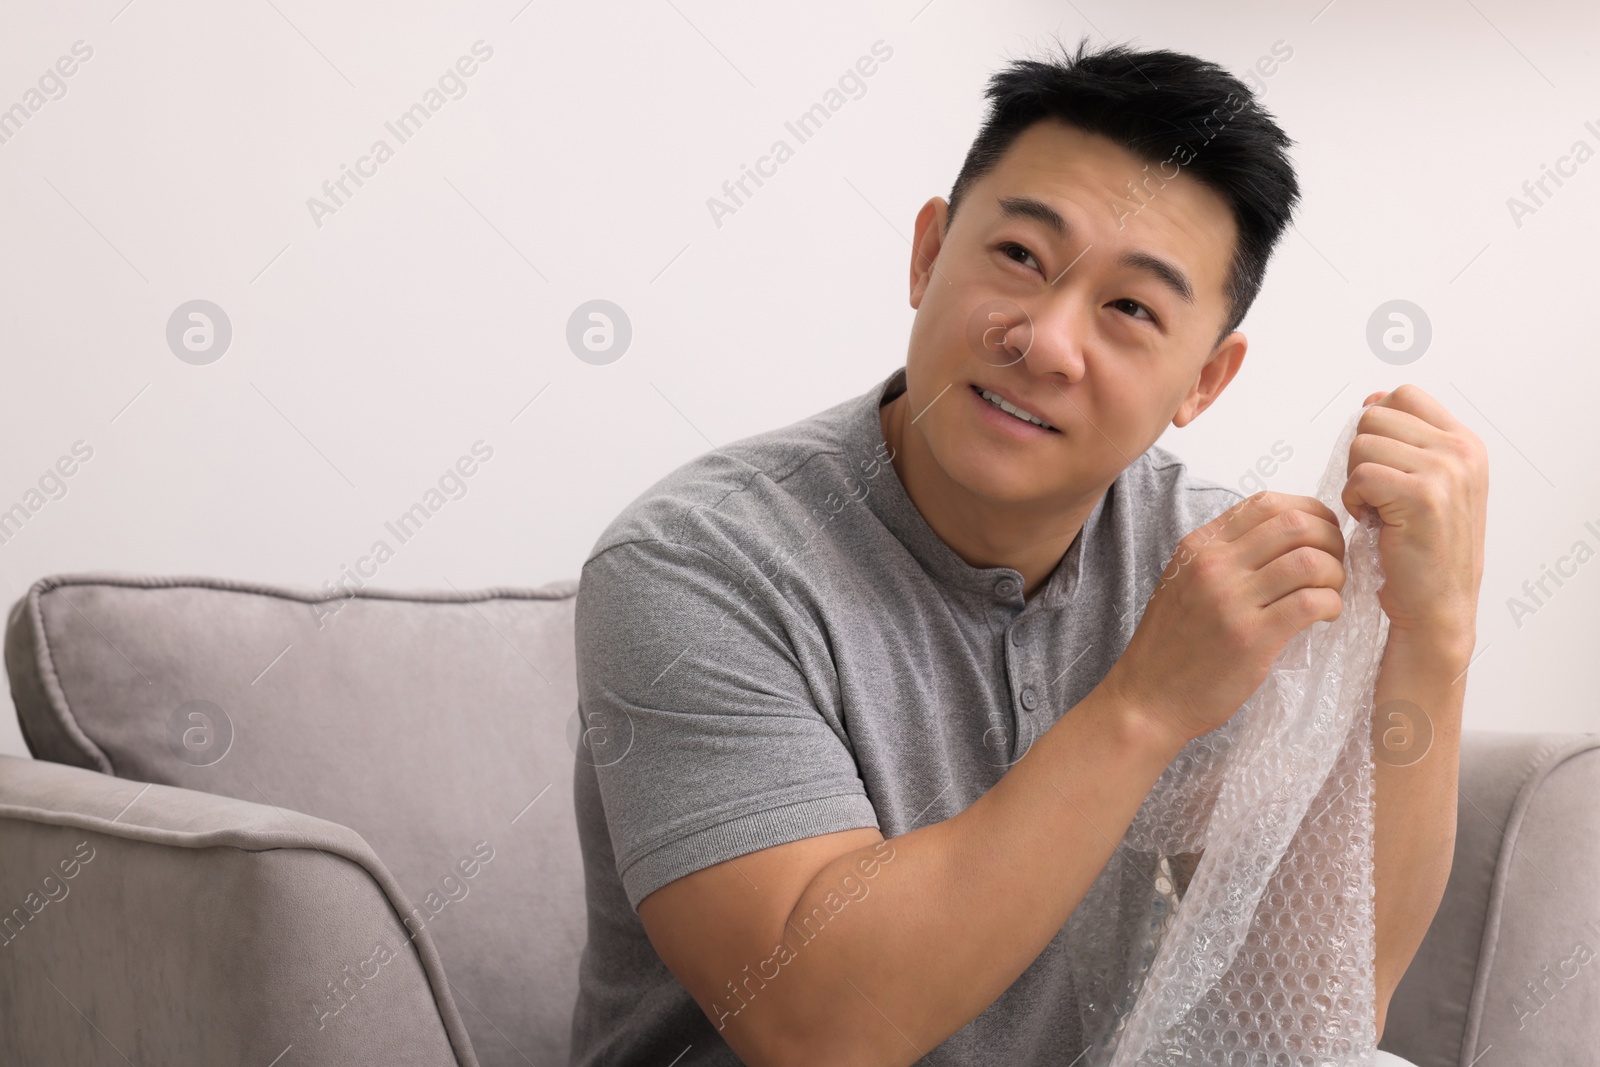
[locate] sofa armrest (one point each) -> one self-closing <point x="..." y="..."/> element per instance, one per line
<point x="151" y="924"/>
<point x="1509" y="972"/>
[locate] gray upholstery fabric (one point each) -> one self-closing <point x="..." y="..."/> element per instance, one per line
<point x="1521" y="896"/>
<point x="427" y="723"/>
<point x="147" y="924"/>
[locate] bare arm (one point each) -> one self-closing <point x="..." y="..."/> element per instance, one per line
<point x="951" y="914"/>
<point x="847" y="949"/>
<point x="1427" y="478"/>
<point x="1414" y="802"/>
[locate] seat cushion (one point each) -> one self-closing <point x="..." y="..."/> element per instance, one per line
<point x="433" y="724"/>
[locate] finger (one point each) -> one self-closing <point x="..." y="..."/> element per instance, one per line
<point x="1261" y="507"/>
<point x="1376" y="485"/>
<point x="1401" y="425"/>
<point x="1414" y="401"/>
<point x="1299" y="568"/>
<point x="1375" y="448"/>
<point x="1207" y="532"/>
<point x="1298" y="609"/>
<point x="1285" y="532"/>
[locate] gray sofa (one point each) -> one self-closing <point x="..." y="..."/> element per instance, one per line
<point x="268" y="827"/>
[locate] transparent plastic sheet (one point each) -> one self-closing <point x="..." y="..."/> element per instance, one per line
<point x="1266" y="958"/>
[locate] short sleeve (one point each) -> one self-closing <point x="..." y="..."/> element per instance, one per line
<point x="706" y="737"/>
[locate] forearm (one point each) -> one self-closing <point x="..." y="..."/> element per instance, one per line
<point x="1414" y="807"/>
<point x="964" y="905"/>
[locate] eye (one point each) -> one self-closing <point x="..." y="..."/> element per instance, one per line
<point x="1007" y="247"/>
<point x="1136" y="304"/>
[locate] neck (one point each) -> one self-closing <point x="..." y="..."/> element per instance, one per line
<point x="1030" y="538"/>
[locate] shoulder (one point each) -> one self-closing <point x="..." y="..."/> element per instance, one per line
<point x="1163" y="492"/>
<point x="736" y="501"/>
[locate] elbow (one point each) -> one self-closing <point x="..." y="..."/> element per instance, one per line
<point x="772" y="1050"/>
<point x="766" y="1039"/>
<point x="807" y="1044"/>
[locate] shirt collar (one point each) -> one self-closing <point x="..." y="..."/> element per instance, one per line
<point x="894" y="508"/>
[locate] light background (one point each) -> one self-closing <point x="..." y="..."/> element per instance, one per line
<point x="371" y="351"/>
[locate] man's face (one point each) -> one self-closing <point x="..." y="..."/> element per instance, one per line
<point x="1075" y="326"/>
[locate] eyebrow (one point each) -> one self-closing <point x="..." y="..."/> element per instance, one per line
<point x="1027" y="207"/>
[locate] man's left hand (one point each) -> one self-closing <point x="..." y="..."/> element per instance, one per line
<point x="1427" y="476"/>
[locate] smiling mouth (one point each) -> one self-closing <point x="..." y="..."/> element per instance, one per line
<point x="1000" y="403"/>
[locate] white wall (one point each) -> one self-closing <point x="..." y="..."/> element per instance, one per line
<point x="372" y="350"/>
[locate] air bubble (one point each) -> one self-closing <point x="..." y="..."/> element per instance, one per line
<point x="1266" y="960"/>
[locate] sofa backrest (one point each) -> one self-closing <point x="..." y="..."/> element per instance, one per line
<point x="435" y="725"/>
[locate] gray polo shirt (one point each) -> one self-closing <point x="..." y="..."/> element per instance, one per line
<point x="772" y="643"/>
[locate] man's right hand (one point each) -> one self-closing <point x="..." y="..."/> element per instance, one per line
<point x="1234" y="593"/>
<point x="928" y="947"/>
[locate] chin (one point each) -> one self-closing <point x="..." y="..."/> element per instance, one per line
<point x="999" y="478"/>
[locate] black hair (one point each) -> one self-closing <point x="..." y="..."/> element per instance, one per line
<point x="1161" y="106"/>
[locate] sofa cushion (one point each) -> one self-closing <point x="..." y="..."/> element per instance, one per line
<point x="433" y="724"/>
<point x="1504" y="974"/>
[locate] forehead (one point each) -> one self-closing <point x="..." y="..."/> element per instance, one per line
<point x="1115" y="199"/>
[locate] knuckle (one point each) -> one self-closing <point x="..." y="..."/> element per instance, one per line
<point x="1304" y="562"/>
<point x="1208" y="567"/>
<point x="1295" y="521"/>
<point x="1323" y="604"/>
<point x="1238" y="640"/>
<point x="1307" y="604"/>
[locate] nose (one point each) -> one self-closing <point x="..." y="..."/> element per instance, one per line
<point x="1055" y="329"/>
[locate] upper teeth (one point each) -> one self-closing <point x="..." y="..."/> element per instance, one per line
<point x="1011" y="409"/>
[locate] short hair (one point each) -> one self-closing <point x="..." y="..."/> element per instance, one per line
<point x="1155" y="104"/>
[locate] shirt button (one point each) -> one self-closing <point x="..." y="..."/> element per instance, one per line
<point x="1016" y="635"/>
<point x="1030" y="699"/>
<point x="1005" y="586"/>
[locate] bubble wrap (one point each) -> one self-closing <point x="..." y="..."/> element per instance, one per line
<point x="1266" y="958"/>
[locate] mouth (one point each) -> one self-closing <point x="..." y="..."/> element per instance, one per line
<point x="1003" y="406"/>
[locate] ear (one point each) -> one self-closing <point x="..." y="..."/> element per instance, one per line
<point x="925" y="245"/>
<point x="1213" y="378"/>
